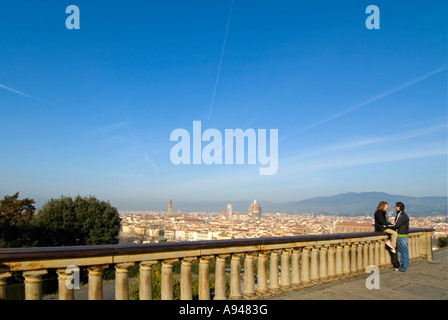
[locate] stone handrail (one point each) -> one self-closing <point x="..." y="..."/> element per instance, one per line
<point x="308" y="260"/>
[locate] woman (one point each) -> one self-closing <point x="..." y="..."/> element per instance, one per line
<point x="382" y="224"/>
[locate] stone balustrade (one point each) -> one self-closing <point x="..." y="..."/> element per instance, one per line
<point x="279" y="264"/>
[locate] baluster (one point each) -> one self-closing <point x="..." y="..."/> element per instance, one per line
<point x="338" y="261"/>
<point x="371" y="253"/>
<point x="306" y="267"/>
<point x="204" y="277"/>
<point x="295" y="266"/>
<point x="273" y="273"/>
<point x="249" y="285"/>
<point x="365" y="262"/>
<point x="285" y="278"/>
<point x="323" y="264"/>
<point x="167" y="280"/>
<point x="121" y="281"/>
<point x="377" y="253"/>
<point x="314" y="275"/>
<point x="382" y="254"/>
<point x="145" y="282"/>
<point x="331" y="270"/>
<point x="360" y="259"/>
<point x="220" y="278"/>
<point x="353" y="258"/>
<point x="4" y="275"/>
<point x="95" y="285"/>
<point x="262" y="288"/>
<point x="64" y="293"/>
<point x="33" y="284"/>
<point x="346" y="260"/>
<point x="235" y="281"/>
<point x="186" y="287"/>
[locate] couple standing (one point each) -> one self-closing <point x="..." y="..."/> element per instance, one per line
<point x="398" y="232"/>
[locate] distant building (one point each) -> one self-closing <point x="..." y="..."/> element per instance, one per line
<point x="229" y="211"/>
<point x="348" y="227"/>
<point x="255" y="210"/>
<point x="170" y="207"/>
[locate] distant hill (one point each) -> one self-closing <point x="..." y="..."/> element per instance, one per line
<point x="353" y="203"/>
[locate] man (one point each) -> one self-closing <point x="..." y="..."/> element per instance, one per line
<point x="402" y="227"/>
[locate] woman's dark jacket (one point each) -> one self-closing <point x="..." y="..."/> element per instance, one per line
<point x="380" y="220"/>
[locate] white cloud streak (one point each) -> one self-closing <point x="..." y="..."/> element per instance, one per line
<point x="220" y="62"/>
<point x="383" y="95"/>
<point x="24" y="94"/>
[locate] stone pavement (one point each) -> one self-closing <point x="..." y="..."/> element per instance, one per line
<point x="424" y="280"/>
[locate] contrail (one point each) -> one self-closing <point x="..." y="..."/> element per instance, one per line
<point x="152" y="164"/>
<point x="383" y="95"/>
<point x="220" y="62"/>
<point x="24" y="94"/>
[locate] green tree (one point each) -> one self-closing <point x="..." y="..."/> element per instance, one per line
<point x="80" y="221"/>
<point x="15" y="221"/>
<point x="443" y="242"/>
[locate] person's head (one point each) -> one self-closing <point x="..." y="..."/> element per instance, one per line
<point x="399" y="206"/>
<point x="382" y="206"/>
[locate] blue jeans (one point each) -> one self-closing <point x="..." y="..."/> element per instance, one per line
<point x="403" y="253"/>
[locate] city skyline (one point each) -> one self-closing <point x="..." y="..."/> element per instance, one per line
<point x="90" y="111"/>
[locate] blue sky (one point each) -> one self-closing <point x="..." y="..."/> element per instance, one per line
<point x="90" y="111"/>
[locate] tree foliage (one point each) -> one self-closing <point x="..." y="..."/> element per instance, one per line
<point x="80" y="221"/>
<point x="15" y="219"/>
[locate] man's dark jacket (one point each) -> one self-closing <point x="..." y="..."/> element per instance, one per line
<point x="402" y="223"/>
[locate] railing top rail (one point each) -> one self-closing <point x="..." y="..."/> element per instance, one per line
<point x="47" y="253"/>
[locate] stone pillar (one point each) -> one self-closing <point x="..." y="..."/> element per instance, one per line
<point x="167" y="280"/>
<point x="220" y="278"/>
<point x="417" y="247"/>
<point x="235" y="281"/>
<point x="64" y="293"/>
<point x="262" y="288"/>
<point x="346" y="260"/>
<point x="306" y="266"/>
<point x="249" y="285"/>
<point x="377" y="253"/>
<point x="428" y="251"/>
<point x="365" y="254"/>
<point x="295" y="268"/>
<point x="314" y="273"/>
<point x="204" y="278"/>
<point x="411" y="247"/>
<point x="33" y="284"/>
<point x="382" y="254"/>
<point x="285" y="281"/>
<point x="186" y="287"/>
<point x="121" y="281"/>
<point x="145" y="282"/>
<point x="338" y="261"/>
<point x="371" y="253"/>
<point x="331" y="270"/>
<point x="95" y="285"/>
<point x="360" y="259"/>
<point x="4" y="275"/>
<point x="323" y="265"/>
<point x="273" y="273"/>
<point x="353" y="259"/>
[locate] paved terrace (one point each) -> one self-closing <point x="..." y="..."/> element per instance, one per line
<point x="424" y="280"/>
